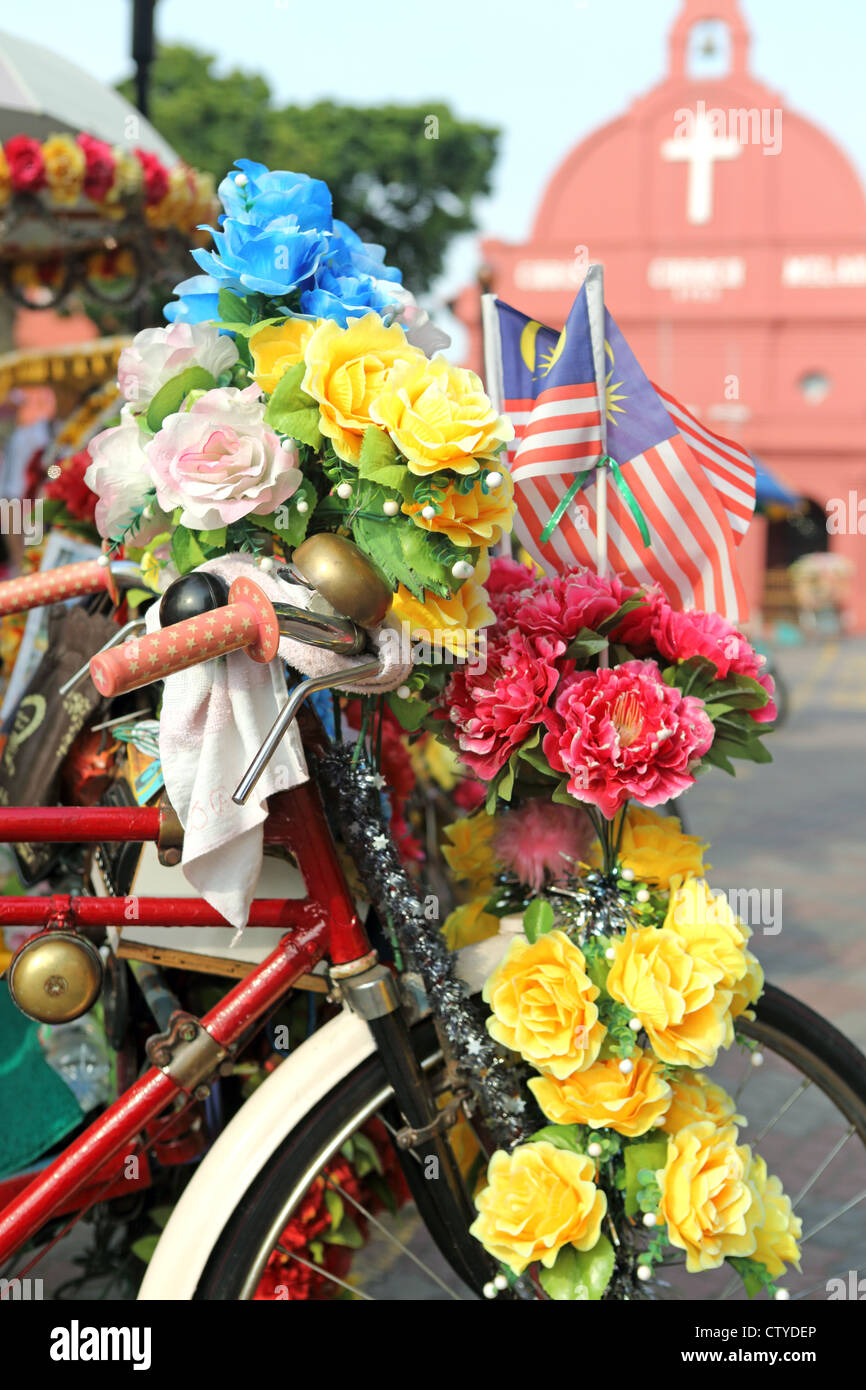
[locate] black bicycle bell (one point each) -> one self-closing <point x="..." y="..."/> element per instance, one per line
<point x="190" y="596"/>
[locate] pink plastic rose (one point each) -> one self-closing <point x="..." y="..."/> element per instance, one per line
<point x="157" y="354"/>
<point x="495" y="711"/>
<point x="219" y="461"/>
<point x="621" y="732"/>
<point x="119" y="474"/>
<point x="678" y="636"/>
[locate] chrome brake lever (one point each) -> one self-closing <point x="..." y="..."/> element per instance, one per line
<point x="120" y="636"/>
<point x="280" y="726"/>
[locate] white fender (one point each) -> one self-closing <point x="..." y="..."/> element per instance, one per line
<point x="243" y="1149"/>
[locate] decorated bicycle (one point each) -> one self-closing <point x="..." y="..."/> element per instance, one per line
<point x="311" y="487"/>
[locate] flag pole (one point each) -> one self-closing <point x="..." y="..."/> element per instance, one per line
<point x="494" y="381"/>
<point x="594" y="284"/>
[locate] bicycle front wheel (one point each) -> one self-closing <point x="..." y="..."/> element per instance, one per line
<point x="332" y="1217"/>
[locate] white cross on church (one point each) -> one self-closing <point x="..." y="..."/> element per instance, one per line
<point x="701" y="148"/>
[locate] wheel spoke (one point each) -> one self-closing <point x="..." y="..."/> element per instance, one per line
<point x="822" y="1225"/>
<point x="826" y="1164"/>
<point x="368" y="1215"/>
<point x="783" y="1110"/>
<point x="357" y="1293"/>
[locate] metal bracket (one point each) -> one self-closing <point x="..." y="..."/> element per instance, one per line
<point x="62" y="916"/>
<point x="448" y="1116"/>
<point x="169" y="842"/>
<point x="188" y="1054"/>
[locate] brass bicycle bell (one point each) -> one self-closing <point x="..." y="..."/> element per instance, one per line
<point x="55" y="976"/>
<point x="345" y="577"/>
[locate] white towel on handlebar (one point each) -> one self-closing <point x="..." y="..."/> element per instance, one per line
<point x="214" y="719"/>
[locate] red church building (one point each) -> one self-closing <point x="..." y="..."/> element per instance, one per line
<point x="733" y="236"/>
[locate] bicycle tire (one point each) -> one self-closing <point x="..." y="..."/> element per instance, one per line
<point x="782" y="1023"/>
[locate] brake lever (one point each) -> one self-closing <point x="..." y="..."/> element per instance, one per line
<point x="120" y="636"/>
<point x="281" y="724"/>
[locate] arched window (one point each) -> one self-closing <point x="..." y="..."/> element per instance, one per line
<point x="708" y="53"/>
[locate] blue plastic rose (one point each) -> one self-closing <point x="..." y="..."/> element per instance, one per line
<point x="352" y="256"/>
<point x="197" y="302"/>
<point x="271" y="260"/>
<point x="264" y="194"/>
<point x="344" y="297"/>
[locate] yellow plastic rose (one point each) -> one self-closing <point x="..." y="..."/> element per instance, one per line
<point x="451" y="623"/>
<point x="64" y="168"/>
<point x="749" y="989"/>
<point x="604" y="1098"/>
<point x="440" y="417"/>
<point x="279" y="347"/>
<point x="777" y="1235"/>
<point x="543" y="1005"/>
<point x="655" y="848"/>
<point x="676" y="998"/>
<point x="696" y="1099"/>
<point x="433" y="760"/>
<point x="5" y="181"/>
<point x="472" y="518"/>
<point x="469" y="854"/>
<point x="469" y="923"/>
<point x="537" y="1199"/>
<point x="708" y="928"/>
<point x="710" y="1206"/>
<point x="347" y="370"/>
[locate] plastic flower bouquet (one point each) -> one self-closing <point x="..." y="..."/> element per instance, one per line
<point x="292" y="393"/>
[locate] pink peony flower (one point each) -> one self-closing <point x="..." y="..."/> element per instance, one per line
<point x="507" y="574"/>
<point x="219" y="461"/>
<point x="621" y="733"/>
<point x="543" y="842"/>
<point x="155" y="355"/>
<point x="559" y="606"/>
<point x="678" y="636"/>
<point x="496" y="710"/>
<point x="155" y="176"/>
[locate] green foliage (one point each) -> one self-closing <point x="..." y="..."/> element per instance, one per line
<point x="169" y="397"/>
<point x="586" y="644"/>
<point x="186" y="550"/>
<point x="642" y="1161"/>
<point x="579" y="1275"/>
<point x="391" y="182"/>
<point x="538" y="919"/>
<point x="291" y="411"/>
<point x="755" y="1276"/>
<point x="569" y="1137"/>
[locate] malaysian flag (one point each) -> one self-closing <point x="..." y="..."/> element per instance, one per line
<point x="691" y="491"/>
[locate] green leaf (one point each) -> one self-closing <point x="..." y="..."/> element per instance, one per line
<point x="185" y="550"/>
<point x="160" y="1215"/>
<point x="336" y="1210"/>
<point x="755" y="1276"/>
<point x="579" y="1275"/>
<point x="144" y="1247"/>
<point x="638" y="601"/>
<point x="364" y="1145"/>
<point x="379" y="460"/>
<point x="348" y="1234"/>
<point x="562" y="796"/>
<point x="568" y="1137"/>
<point x="420" y="557"/>
<point x="213" y="540"/>
<point x="232" y="306"/>
<point x="292" y="412"/>
<point x="169" y="397"/>
<point x="650" y="1154"/>
<point x="537" y="919"/>
<point x="383" y="1192"/>
<point x="410" y="714"/>
<point x="585" y="644"/>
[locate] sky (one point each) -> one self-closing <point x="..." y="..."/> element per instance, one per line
<point x="547" y="72"/>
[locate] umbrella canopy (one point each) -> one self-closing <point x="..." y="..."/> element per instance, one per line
<point x="42" y="94"/>
<point x="769" y="491"/>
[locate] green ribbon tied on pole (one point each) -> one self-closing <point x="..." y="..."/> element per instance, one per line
<point x="622" y="487"/>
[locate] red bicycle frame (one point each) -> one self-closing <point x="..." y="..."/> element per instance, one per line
<point x="324" y="924"/>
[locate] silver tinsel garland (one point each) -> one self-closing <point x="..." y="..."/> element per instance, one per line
<point x="496" y="1077"/>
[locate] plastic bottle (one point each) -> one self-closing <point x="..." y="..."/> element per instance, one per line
<point x="79" y="1054"/>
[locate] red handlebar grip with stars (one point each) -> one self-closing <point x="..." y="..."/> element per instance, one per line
<point x="246" y="623"/>
<point x="53" y="586"/>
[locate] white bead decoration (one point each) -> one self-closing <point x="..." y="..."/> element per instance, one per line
<point x="642" y="895"/>
<point x="650" y="1218"/>
<point x="594" y="1150"/>
<point x="240" y="180"/>
<point x="428" y="512"/>
<point x="635" y="1025"/>
<point x="489" y="1290"/>
<point x="610" y="953"/>
<point x="287" y="445"/>
<point x="782" y="1295"/>
<point x="267" y="564"/>
<point x="344" y="490"/>
<point x="390" y="508"/>
<point x="494" y="479"/>
<point x="104" y="560"/>
<point x="403" y="692"/>
<point x="757" y="1059"/>
<point x="462" y="569"/>
<point x="501" y="1282"/>
<point x="626" y="1066"/>
<point x="303" y="506"/>
<point x="644" y="1273"/>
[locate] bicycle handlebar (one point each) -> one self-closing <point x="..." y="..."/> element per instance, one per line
<point x="70" y="581"/>
<point x="246" y="623"/>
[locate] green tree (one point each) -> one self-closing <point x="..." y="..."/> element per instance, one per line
<point x="405" y="176"/>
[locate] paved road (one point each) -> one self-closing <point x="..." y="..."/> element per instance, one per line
<point x="796" y="827"/>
